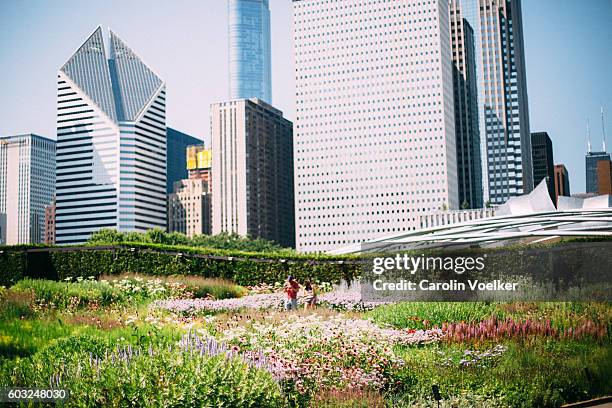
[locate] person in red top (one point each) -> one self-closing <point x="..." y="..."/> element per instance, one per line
<point x="291" y="289"/>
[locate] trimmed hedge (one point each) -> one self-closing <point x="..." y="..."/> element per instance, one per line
<point x="245" y="268"/>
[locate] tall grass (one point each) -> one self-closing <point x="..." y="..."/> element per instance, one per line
<point x="67" y="295"/>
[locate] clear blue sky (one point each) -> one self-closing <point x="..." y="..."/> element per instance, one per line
<point x="568" y="46"/>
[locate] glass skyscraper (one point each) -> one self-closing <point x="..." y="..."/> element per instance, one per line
<point x="503" y="112"/>
<point x="111" y="142"/>
<point x="249" y="50"/>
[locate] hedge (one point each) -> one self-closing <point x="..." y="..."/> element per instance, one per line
<point x="244" y="268"/>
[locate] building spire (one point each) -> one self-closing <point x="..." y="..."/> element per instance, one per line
<point x="603" y="130"/>
<point x="588" y="137"/>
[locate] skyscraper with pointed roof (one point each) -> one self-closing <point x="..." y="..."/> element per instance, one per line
<point x="111" y="142"/>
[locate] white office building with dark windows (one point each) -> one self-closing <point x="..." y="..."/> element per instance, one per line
<point x="27" y="185"/>
<point x="111" y="142"/>
<point x="374" y="131"/>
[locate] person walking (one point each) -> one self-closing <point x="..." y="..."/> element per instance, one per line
<point x="291" y="289"/>
<point x="310" y="301"/>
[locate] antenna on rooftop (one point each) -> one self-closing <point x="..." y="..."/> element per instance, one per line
<point x="603" y="129"/>
<point x="588" y="137"/>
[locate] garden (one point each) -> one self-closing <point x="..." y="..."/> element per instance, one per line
<point x="134" y="339"/>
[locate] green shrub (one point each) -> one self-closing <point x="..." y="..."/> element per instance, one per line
<point x="224" y="241"/>
<point x="12" y="267"/>
<point x="243" y="268"/>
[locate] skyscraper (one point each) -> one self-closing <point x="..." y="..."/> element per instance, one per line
<point x="49" y="233"/>
<point x="249" y="50"/>
<point x="111" y="142"/>
<point x="375" y="130"/>
<point x="502" y="95"/>
<point x="469" y="160"/>
<point x="27" y="185"/>
<point x="591" y="161"/>
<point x="189" y="205"/>
<point x="177" y="143"/>
<point x="199" y="163"/>
<point x="604" y="177"/>
<point x="252" y="168"/>
<point x="562" y="185"/>
<point x="543" y="160"/>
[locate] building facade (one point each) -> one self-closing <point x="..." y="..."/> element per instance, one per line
<point x="189" y="208"/>
<point x="199" y="163"/>
<point x="604" y="177"/>
<point x="50" y="223"/>
<point x="111" y="142"/>
<point x="451" y="217"/>
<point x="27" y="185"/>
<point x="177" y="143"/>
<point x="469" y="160"/>
<point x="252" y="167"/>
<point x="502" y="95"/>
<point x="250" y="66"/>
<point x="375" y="131"/>
<point x="591" y="160"/>
<point x="543" y="160"/>
<point x="562" y="184"/>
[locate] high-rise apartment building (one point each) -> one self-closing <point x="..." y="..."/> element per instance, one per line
<point x="543" y="160"/>
<point x="189" y="207"/>
<point x="27" y="185"/>
<point x="562" y="186"/>
<point x="604" y="177"/>
<point x="502" y="95"/>
<point x="177" y="143"/>
<point x="249" y="50"/>
<point x="469" y="160"/>
<point x="375" y="131"/>
<point x="49" y="235"/>
<point x="591" y="161"/>
<point x="252" y="168"/>
<point x="199" y="163"/>
<point x="111" y="142"/>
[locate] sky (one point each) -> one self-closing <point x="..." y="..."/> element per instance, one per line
<point x="568" y="45"/>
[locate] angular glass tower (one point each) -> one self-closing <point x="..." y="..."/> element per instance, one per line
<point x="249" y="50"/>
<point x="503" y="111"/>
<point x="111" y="142"/>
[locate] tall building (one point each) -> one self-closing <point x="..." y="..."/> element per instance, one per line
<point x="189" y="207"/>
<point x="591" y="160"/>
<point x="543" y="161"/>
<point x="27" y="185"/>
<point x="562" y="185"/>
<point x="249" y="50"/>
<point x="252" y="167"/>
<point x="502" y="95"/>
<point x="375" y="131"/>
<point x="50" y="223"/>
<point x="111" y="142"/>
<point x="177" y="143"/>
<point x="199" y="163"/>
<point x="469" y="160"/>
<point x="604" y="177"/>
